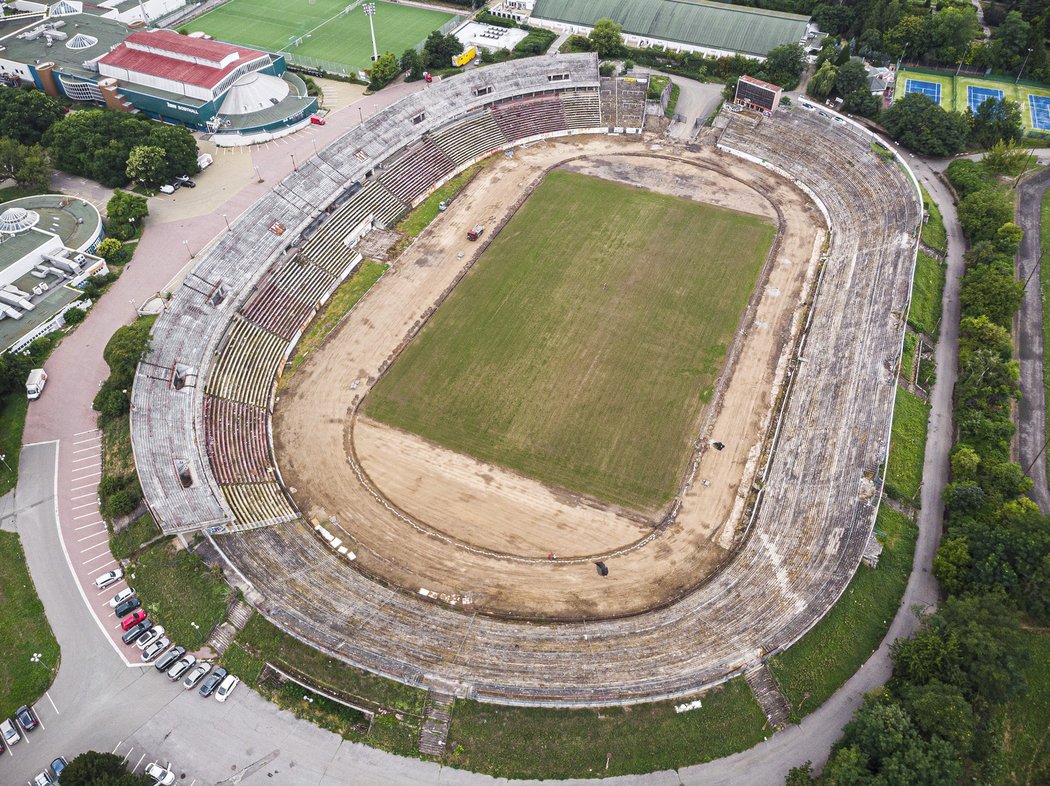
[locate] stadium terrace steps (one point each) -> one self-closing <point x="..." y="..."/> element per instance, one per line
<point x="468" y="139"/>
<point x="235" y="440"/>
<point x="245" y="367"/>
<point x="261" y="504"/>
<point x="530" y="117"/>
<point x="326" y="248"/>
<point x="415" y="171"/>
<point x="436" y="718"/>
<point x="582" y="108"/>
<point x="285" y="302"/>
<point x="769" y="697"/>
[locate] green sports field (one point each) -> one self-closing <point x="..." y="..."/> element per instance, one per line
<point x="584" y="344"/>
<point x="326" y="34"/>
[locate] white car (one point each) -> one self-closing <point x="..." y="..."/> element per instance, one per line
<point x="111" y="577"/>
<point x="120" y="597"/>
<point x="9" y="732"/>
<point x="162" y="776"/>
<point x="150" y="636"/>
<point x="43" y="779"/>
<point x="226" y="688"/>
<point x="167" y="188"/>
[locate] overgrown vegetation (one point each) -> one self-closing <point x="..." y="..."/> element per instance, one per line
<point x="927" y="289"/>
<point x="14" y="370"/>
<point x="527" y="742"/>
<point x="934" y="235"/>
<point x="398" y="708"/>
<point x="810" y="671"/>
<point x="1044" y="286"/>
<point x="24" y="631"/>
<point x="1026" y="718"/>
<point x="907" y="447"/>
<point x="180" y="592"/>
<point x="129" y="540"/>
<point x="338" y="306"/>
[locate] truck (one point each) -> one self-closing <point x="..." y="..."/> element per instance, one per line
<point x="475" y="233"/>
<point x="35" y="383"/>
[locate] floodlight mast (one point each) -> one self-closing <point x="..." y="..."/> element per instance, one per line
<point x="370" y="11"/>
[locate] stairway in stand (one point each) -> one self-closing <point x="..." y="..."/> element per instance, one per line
<point x="436" y="718"/>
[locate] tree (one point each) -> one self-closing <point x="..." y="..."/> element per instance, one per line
<point x="924" y="127"/>
<point x="907" y="37"/>
<point x="949" y="33"/>
<point x="26" y="114"/>
<point x="27" y="165"/>
<point x="95" y="143"/>
<point x="412" y="62"/>
<point x="1004" y="158"/>
<point x="823" y="81"/>
<point x="607" y="39"/>
<point x="147" y="165"/>
<point x="439" y="50"/>
<point x="1008" y="239"/>
<point x="800" y="776"/>
<point x="983" y="212"/>
<point x="966" y="176"/>
<point x="384" y="71"/>
<point x="993" y="291"/>
<point x="996" y="120"/>
<point x="851" y="77"/>
<point x="1009" y="40"/>
<point x="784" y="65"/>
<point x="180" y="149"/>
<point x="123" y="211"/>
<point x="964" y="459"/>
<point x="100" y="769"/>
<point x="862" y="102"/>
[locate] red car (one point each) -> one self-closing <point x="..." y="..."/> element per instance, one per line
<point x="317" y="121"/>
<point x="132" y="620"/>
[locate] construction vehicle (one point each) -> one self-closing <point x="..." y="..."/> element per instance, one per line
<point x="476" y="232"/>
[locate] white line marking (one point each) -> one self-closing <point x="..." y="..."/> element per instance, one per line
<point x="133" y="769"/>
<point x="100" y="556"/>
<point x="81" y="433"/>
<point x="84" y="515"/>
<point x="48" y="694"/>
<point x="85" y="526"/>
<point x="88" y="475"/>
<point x="92" y="548"/>
<point x="93" y="535"/>
<point x="95" y="457"/>
<point x="84" y="450"/>
<point x="81" y="496"/>
<point x="89" y="439"/>
<point x="85" y="505"/>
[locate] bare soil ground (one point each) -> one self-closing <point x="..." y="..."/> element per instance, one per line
<point x="507" y="572"/>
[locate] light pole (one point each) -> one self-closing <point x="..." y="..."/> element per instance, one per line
<point x="38" y="658"/>
<point x="134" y="307"/>
<point x="186" y="243"/>
<point x="294" y="165"/>
<point x="1029" y="54"/>
<point x="370" y="11"/>
<point x="3" y="458"/>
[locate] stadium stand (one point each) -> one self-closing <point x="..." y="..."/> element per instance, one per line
<point x="235" y="437"/>
<point x="415" y="171"/>
<point x="468" y="139"/>
<point x="289" y="297"/>
<point x="326" y="248"/>
<point x="623" y="102"/>
<point x="814" y="516"/>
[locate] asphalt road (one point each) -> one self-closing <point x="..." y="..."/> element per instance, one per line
<point x="97" y="702"/>
<point x="1031" y="409"/>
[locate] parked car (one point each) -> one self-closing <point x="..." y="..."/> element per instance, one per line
<point x="170" y="657"/>
<point x="186" y="181"/>
<point x="44" y="779"/>
<point x="210" y="684"/>
<point x="162" y="776"/>
<point x="180" y="667"/>
<point x="195" y="674"/>
<point x="57" y="766"/>
<point x="133" y="633"/>
<point x="9" y="732"/>
<point x="26" y="718"/>
<point x="154" y="650"/>
<point x="127" y="607"/>
<point x="133" y="619"/>
<point x="167" y="189"/>
<point x="150" y="636"/>
<point x="317" y="120"/>
<point x="121" y="596"/>
<point x="226" y="688"/>
<point x="112" y="577"/>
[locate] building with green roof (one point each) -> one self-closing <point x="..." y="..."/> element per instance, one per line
<point x="715" y="29"/>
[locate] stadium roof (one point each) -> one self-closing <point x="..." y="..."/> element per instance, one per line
<point x="731" y="28"/>
<point x="165" y="53"/>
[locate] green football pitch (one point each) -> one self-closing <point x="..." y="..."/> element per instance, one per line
<point x="318" y="30"/>
<point x="584" y="344"/>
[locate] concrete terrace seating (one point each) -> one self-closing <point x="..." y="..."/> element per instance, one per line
<point x="530" y="117"/>
<point x="257" y="504"/>
<point x="415" y="171"/>
<point x="166" y="424"/>
<point x="235" y="437"/>
<point x="807" y="537"/>
<point x="582" y="108"/>
<point x="468" y="139"/>
<point x="285" y="302"/>
<point x="326" y="248"/>
<point x="623" y="102"/>
<point x="245" y="368"/>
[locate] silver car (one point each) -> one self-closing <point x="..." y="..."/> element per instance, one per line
<point x="180" y="666"/>
<point x="195" y="675"/>
<point x="153" y="651"/>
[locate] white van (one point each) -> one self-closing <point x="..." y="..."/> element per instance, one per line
<point x="35" y="383"/>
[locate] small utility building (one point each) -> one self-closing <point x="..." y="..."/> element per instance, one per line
<point x="753" y="93"/>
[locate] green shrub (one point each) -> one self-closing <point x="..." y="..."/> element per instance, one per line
<point x="74" y="316"/>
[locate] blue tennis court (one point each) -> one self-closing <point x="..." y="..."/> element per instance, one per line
<point x="1040" y="109"/>
<point x="975" y="96"/>
<point x="931" y="89"/>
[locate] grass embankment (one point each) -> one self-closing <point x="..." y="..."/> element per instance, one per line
<point x="129" y="540"/>
<point x="24" y="630"/>
<point x="933" y="232"/>
<point x="815" y="667"/>
<point x="907" y="446"/>
<point x="1026" y="739"/>
<point x="908" y="355"/>
<point x="564" y="357"/>
<point x="672" y="102"/>
<point x="13" y="409"/>
<point x="180" y="592"/>
<point x="427" y="210"/>
<point x="338" y="306"/>
<point x="1044" y="286"/>
<point x="520" y="742"/>
<point x="925" y="312"/>
<point x="260" y="642"/>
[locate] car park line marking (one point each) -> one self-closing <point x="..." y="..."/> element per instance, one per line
<point x="96" y="440"/>
<point x="89" y="494"/>
<point x="114" y="751"/>
<point x="85" y="505"/>
<point x="88" y="475"/>
<point x="93" y="457"/>
<point x="84" y="515"/>
<point x="136" y="767"/>
<point x="91" y="524"/>
<point x="100" y="556"/>
<point x="42" y="726"/>
<point x="92" y="548"/>
<point x="90" y="448"/>
<point x="48" y="694"/>
<point x="103" y="531"/>
<point x="89" y="431"/>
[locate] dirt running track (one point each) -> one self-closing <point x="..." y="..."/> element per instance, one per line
<point x="419" y="516"/>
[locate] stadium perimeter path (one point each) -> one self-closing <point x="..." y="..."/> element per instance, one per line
<point x="97" y="703"/>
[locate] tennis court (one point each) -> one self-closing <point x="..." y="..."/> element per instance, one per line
<point x="975" y="96"/>
<point x="1039" y="106"/>
<point x="328" y="30"/>
<point x="931" y="89"/>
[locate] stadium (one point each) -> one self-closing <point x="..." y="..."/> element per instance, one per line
<point x="676" y="498"/>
